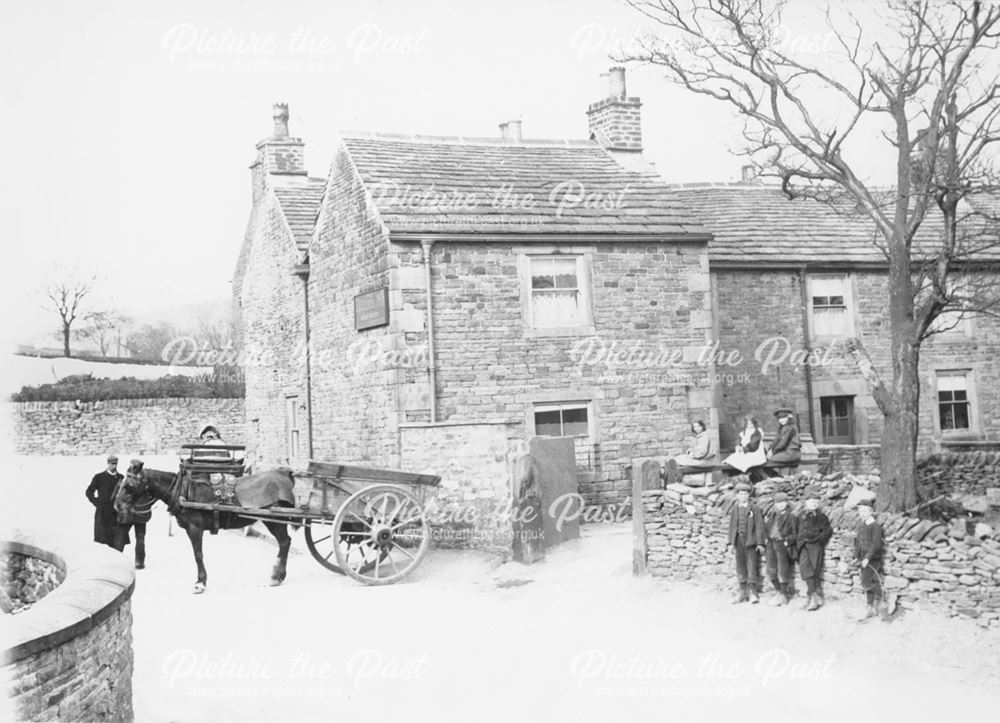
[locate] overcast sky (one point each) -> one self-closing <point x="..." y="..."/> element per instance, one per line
<point x="129" y="126"/>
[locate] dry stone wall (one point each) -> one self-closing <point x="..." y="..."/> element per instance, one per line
<point x="140" y="426"/>
<point x="69" y="657"/>
<point x="929" y="564"/>
<point x="968" y="473"/>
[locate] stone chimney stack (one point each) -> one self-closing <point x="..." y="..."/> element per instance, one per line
<point x="615" y="122"/>
<point x="280" y="154"/>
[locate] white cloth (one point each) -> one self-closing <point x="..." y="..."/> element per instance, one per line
<point x="745" y="460"/>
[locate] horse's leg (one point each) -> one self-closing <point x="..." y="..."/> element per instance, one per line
<point x="140" y="545"/>
<point x="280" y="532"/>
<point x="195" y="534"/>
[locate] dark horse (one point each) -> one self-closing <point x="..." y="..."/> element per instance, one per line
<point x="273" y="487"/>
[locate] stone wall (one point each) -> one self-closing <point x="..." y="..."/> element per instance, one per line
<point x="25" y="579"/>
<point x="125" y="426"/>
<point x="929" y="564"/>
<point x="967" y="473"/>
<point x="852" y="458"/>
<point x="471" y="506"/>
<point x="756" y="305"/>
<point x="69" y="657"/>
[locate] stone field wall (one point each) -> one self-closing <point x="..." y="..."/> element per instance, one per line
<point x="124" y="426"/>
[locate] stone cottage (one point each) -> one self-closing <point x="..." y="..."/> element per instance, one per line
<point x="461" y="295"/>
<point x="791" y="281"/>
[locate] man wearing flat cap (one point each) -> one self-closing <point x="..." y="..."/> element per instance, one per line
<point x="101" y="494"/>
<point x="787" y="449"/>
<point x="782" y="529"/>
<point x="746" y="536"/>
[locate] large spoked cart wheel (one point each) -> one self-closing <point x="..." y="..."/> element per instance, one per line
<point x="322" y="541"/>
<point x="364" y="522"/>
<point x="381" y="534"/>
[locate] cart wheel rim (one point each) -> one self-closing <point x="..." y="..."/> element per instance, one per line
<point x="387" y="531"/>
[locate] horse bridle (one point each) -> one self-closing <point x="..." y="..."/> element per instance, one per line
<point x="173" y="493"/>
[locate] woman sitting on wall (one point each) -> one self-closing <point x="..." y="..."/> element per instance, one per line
<point x="749" y="447"/>
<point x="702" y="452"/>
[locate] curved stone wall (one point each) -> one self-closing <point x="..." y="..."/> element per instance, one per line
<point x="69" y="657"/>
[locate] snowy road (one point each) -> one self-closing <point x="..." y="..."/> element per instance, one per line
<point x="574" y="638"/>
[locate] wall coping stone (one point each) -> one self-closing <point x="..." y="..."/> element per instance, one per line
<point x="98" y="581"/>
<point x="22" y="407"/>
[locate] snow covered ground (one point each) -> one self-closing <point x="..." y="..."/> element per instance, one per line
<point x="575" y="638"/>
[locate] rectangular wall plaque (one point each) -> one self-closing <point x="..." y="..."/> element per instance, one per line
<point x="371" y="309"/>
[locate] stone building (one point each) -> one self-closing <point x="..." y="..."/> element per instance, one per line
<point x="462" y="295"/>
<point x="791" y="281"/>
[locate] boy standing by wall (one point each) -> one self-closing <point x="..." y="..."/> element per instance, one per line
<point x="746" y="536"/>
<point x="814" y="533"/>
<point x="782" y="528"/>
<point x="869" y="549"/>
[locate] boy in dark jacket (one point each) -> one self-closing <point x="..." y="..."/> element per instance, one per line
<point x="746" y="536"/>
<point x="813" y="535"/>
<point x="781" y="528"/>
<point x="869" y="550"/>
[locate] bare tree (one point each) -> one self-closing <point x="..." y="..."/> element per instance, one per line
<point x="923" y="71"/>
<point x="213" y="327"/>
<point x="102" y="327"/>
<point x="65" y="295"/>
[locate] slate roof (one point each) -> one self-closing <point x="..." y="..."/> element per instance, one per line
<point x="300" y="204"/>
<point x="754" y="222"/>
<point x="480" y="186"/>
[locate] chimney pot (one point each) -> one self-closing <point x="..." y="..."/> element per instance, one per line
<point x="503" y="131"/>
<point x="616" y="82"/>
<point x="514" y="130"/>
<point x="281" y="120"/>
<point x="748" y="173"/>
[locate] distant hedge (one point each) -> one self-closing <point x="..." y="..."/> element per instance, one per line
<point x="85" y="388"/>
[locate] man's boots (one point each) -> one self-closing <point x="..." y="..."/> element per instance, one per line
<point x="781" y="596"/>
<point x="811" y="603"/>
<point x="819" y="599"/>
<point x="754" y="597"/>
<point x="742" y="597"/>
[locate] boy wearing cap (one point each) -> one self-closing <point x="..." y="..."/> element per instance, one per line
<point x="813" y="535"/>
<point x="868" y="549"/>
<point x="746" y="536"/>
<point x="787" y="448"/>
<point x="782" y="530"/>
<point x="101" y="494"/>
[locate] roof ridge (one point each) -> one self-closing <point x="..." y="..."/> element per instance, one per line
<point x="467" y="140"/>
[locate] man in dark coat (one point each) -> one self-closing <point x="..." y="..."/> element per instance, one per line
<point x="813" y="535"/>
<point x="782" y="530"/>
<point x="746" y="536"/>
<point x="101" y="494"/>
<point x="787" y="447"/>
<point x="869" y="549"/>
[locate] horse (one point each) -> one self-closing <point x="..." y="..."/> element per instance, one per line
<point x="275" y="485"/>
